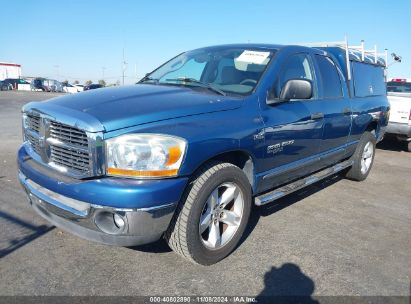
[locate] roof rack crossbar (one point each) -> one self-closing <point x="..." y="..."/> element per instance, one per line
<point x="372" y="54"/>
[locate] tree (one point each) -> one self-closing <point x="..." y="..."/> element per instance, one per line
<point x="88" y="82"/>
<point x="65" y="82"/>
<point x="76" y="82"/>
<point x="102" y="82"/>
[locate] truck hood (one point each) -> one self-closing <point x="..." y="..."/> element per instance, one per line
<point x="110" y="109"/>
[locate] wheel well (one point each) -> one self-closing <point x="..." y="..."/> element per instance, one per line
<point x="372" y="127"/>
<point x="240" y="159"/>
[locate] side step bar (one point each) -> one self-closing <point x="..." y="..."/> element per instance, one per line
<point x="301" y="183"/>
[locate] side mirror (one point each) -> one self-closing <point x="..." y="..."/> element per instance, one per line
<point x="294" y="89"/>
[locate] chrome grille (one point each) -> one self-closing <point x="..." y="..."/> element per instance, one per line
<point x="34" y="142"/>
<point x="70" y="158"/>
<point x="33" y="123"/>
<point x="67" y="134"/>
<point x="69" y="148"/>
<point x="59" y="145"/>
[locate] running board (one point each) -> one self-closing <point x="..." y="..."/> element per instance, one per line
<point x="301" y="183"/>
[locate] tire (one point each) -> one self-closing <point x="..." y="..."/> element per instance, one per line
<point x="363" y="158"/>
<point x="199" y="243"/>
<point x="408" y="146"/>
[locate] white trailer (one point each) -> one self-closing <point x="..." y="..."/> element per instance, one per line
<point x="9" y="70"/>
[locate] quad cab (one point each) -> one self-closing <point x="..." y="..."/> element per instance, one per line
<point x="186" y="152"/>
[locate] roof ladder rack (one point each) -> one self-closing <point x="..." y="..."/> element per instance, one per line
<point x="359" y="48"/>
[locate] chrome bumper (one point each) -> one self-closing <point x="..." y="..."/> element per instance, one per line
<point x="96" y="222"/>
<point x="399" y="129"/>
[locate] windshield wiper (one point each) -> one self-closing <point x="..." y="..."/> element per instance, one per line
<point x="199" y="83"/>
<point x="148" y="78"/>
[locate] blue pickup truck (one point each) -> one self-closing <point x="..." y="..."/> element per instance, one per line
<point x="187" y="151"/>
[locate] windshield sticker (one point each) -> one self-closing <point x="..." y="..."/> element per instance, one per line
<point x="253" y="57"/>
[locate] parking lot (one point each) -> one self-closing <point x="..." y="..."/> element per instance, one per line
<point x="337" y="237"/>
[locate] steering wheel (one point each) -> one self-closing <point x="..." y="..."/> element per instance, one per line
<point x="249" y="80"/>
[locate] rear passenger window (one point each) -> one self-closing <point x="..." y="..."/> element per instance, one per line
<point x="330" y="79"/>
<point x="368" y="79"/>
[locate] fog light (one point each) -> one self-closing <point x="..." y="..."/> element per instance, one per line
<point x="109" y="222"/>
<point x="119" y="221"/>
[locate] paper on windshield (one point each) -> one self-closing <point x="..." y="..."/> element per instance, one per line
<point x="253" y="57"/>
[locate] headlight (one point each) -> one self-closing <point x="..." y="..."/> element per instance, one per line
<point x="145" y="155"/>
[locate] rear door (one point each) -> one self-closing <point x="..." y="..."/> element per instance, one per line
<point x="334" y="105"/>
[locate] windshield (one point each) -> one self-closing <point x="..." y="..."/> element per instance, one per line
<point x="230" y="70"/>
<point x="399" y="87"/>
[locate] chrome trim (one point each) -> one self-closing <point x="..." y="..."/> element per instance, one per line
<point x="38" y="190"/>
<point x="59" y="143"/>
<point x="301" y="183"/>
<point x="95" y="149"/>
<point x="142" y="225"/>
<point x="148" y="209"/>
<point x="73" y="206"/>
<point x="399" y="128"/>
<point x="74" y="118"/>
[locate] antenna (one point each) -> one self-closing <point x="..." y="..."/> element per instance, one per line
<point x="124" y="66"/>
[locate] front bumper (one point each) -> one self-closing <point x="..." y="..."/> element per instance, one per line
<point x="73" y="205"/>
<point x="399" y="129"/>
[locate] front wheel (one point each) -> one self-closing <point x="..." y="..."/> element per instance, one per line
<point x="212" y="215"/>
<point x="363" y="158"/>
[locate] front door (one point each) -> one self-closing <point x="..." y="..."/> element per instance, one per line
<point x="293" y="132"/>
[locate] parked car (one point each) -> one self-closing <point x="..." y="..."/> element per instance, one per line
<point x="55" y="86"/>
<point x="68" y="88"/>
<point x="46" y="85"/>
<point x="399" y="96"/>
<point x="186" y="152"/>
<point x="4" y="86"/>
<point x="79" y="87"/>
<point x="14" y="82"/>
<point x="92" y="86"/>
<point x="37" y="84"/>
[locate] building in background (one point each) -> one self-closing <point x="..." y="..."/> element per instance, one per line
<point x="9" y="70"/>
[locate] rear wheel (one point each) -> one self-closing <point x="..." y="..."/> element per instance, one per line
<point x="212" y="215"/>
<point x="363" y="158"/>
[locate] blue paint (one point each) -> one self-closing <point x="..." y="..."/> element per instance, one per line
<point x="214" y="124"/>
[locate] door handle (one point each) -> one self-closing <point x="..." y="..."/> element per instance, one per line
<point x="317" y="115"/>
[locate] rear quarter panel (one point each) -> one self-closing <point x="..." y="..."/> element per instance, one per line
<point x="367" y="112"/>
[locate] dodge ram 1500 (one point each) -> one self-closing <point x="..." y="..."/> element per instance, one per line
<point x="185" y="153"/>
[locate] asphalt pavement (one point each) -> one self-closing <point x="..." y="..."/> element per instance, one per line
<point x="337" y="237"/>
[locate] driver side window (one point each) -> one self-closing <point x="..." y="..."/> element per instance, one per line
<point x="297" y="66"/>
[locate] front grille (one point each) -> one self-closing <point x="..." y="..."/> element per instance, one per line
<point x="72" y="153"/>
<point x="33" y="123"/>
<point x="70" y="158"/>
<point x="67" y="134"/>
<point x="34" y="142"/>
<point x="64" y="146"/>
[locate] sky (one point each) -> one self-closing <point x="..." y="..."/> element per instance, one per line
<point x="84" y="40"/>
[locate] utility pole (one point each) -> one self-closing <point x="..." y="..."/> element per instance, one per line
<point x="57" y="67"/>
<point x="124" y="66"/>
<point x="103" y="69"/>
